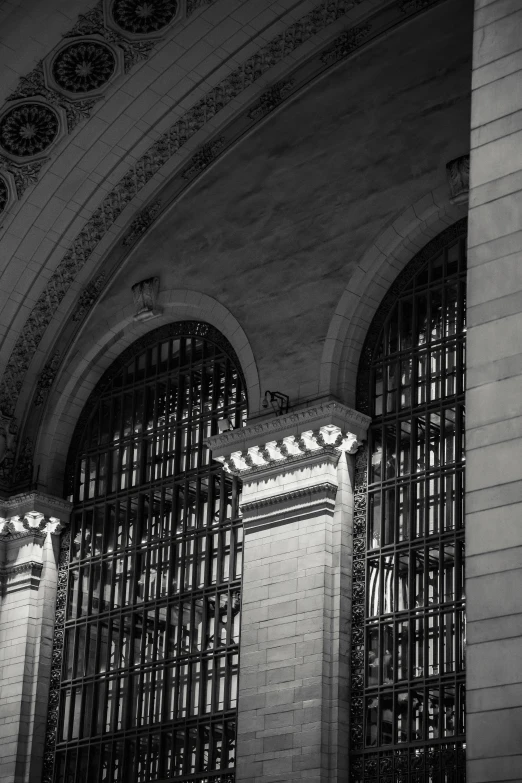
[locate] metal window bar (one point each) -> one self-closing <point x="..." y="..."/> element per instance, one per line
<point x="148" y="683"/>
<point x="407" y="681"/>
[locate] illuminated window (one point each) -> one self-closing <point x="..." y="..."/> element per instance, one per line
<point x="407" y="694"/>
<point x="151" y="635"/>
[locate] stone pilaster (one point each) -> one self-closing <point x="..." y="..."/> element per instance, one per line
<point x="29" y="528"/>
<point x="297" y="511"/>
<point x="494" y="399"/>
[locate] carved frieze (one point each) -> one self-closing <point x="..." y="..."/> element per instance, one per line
<point x="88" y="297"/>
<point x="46" y="378"/>
<point x="23" y="472"/>
<point x="8" y="434"/>
<point x="271" y="98"/>
<point x="141" y="222"/>
<point x="345" y="44"/>
<point x="203" y="158"/>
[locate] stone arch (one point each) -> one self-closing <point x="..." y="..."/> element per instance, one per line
<point x="100" y="346"/>
<point x="376" y="270"/>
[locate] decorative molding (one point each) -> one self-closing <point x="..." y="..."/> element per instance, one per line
<point x="8" y="440"/>
<point x="84" y="66"/>
<point x="24" y="175"/>
<point x="46" y="378"/>
<point x="21" y="568"/>
<point x="26" y="502"/>
<point x="325" y="488"/>
<point x="271" y="99"/>
<point x="94" y="23"/>
<point x="4" y="193"/>
<point x="88" y="297"/>
<point x="345" y="44"/>
<point x="28" y="129"/>
<point x="358" y="601"/>
<point x="410" y="6"/>
<point x="145" y="295"/>
<point x="141" y="222"/>
<point x="56" y="659"/>
<point x="206" y="155"/>
<point x="24" y="468"/>
<point x="457" y="171"/>
<point x="143" y="17"/>
<point x="331" y="413"/>
<point x="314" y="433"/>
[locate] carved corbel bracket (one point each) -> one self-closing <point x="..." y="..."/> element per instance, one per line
<point x="457" y="171"/>
<point x="145" y="294"/>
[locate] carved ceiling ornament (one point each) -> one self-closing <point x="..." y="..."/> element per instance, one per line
<point x="145" y="295"/>
<point x="82" y="67"/>
<point x="28" y="129"/>
<point x="457" y="171"/>
<point x="143" y="16"/>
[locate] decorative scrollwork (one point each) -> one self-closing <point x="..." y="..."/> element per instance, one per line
<point x="28" y="129"/>
<point x="143" y="16"/>
<point x="56" y="659"/>
<point x="4" y="194"/>
<point x="82" y="67"/>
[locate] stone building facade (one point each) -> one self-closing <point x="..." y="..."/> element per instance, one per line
<point x="257" y="259"/>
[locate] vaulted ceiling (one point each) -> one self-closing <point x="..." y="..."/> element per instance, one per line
<point x="110" y="112"/>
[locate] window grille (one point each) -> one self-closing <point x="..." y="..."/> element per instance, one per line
<point x="148" y="665"/>
<point x="408" y="624"/>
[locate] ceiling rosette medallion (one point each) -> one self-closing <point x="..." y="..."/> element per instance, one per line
<point x="83" y="68"/>
<point x="139" y="18"/>
<point x="29" y="128"/>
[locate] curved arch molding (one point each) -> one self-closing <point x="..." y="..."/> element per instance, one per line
<point x="376" y="271"/>
<point x="84" y="369"/>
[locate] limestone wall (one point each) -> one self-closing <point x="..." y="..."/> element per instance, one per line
<point x="494" y="398"/>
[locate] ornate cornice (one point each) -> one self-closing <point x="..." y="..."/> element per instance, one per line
<point x="21" y="568"/>
<point x="326" y="489"/>
<point x="320" y="431"/>
<point x="294" y="423"/>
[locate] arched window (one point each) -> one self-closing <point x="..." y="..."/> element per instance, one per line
<point x="146" y="682"/>
<point x="407" y="680"/>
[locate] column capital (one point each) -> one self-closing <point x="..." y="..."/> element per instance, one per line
<point x="299" y="436"/>
<point x="31" y="513"/>
<point x="25" y="521"/>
